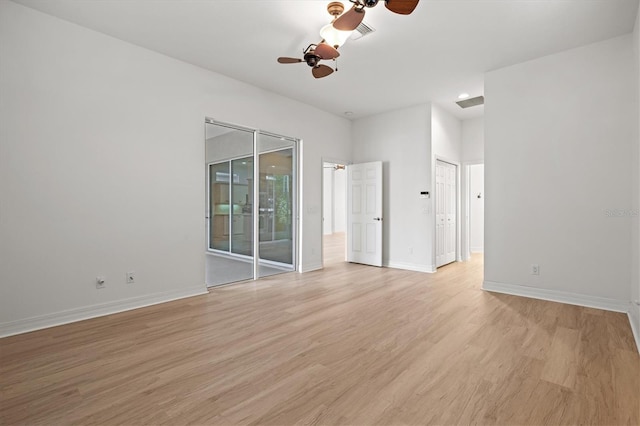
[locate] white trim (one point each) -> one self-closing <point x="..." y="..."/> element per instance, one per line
<point x="411" y="267"/>
<point x="477" y="249"/>
<point x="558" y="296"/>
<point x="634" y="321"/>
<point x="79" y="314"/>
<point x="316" y="266"/>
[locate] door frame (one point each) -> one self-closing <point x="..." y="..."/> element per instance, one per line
<point x="455" y="163"/>
<point x="332" y="160"/>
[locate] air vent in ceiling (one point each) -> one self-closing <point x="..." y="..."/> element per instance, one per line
<point x="362" y="30"/>
<point x="471" y="102"/>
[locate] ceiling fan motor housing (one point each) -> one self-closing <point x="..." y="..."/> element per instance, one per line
<point x="370" y="3"/>
<point x="311" y="59"/>
<point x="335" y="8"/>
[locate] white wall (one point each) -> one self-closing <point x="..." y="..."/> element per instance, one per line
<point x="334" y="200"/>
<point x="476" y="208"/>
<point x="340" y="200"/>
<point x="634" y="311"/>
<point x="402" y="141"/>
<point x="446" y="134"/>
<point x="473" y="140"/>
<point x="327" y="199"/>
<point x="101" y="169"/>
<point x="559" y="133"/>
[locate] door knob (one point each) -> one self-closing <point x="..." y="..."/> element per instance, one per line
<point x="377" y="218"/>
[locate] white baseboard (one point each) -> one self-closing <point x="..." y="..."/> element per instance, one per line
<point x="310" y="267"/>
<point x="477" y="249"/>
<point x="558" y="296"/>
<point x="79" y="314"/>
<point x="411" y="267"/>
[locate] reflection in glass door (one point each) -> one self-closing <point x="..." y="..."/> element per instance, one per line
<point x="277" y="192"/>
<point x="232" y="192"/>
<point x="229" y="157"/>
<point x="242" y="199"/>
<point x="219" y="206"/>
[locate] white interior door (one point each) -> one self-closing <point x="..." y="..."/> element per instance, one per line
<point x="364" y="213"/>
<point x="446" y="212"/>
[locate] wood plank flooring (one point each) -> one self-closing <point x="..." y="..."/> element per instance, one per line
<point x="349" y="345"/>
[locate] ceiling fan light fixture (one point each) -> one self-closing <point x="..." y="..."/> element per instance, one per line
<point x="334" y="37"/>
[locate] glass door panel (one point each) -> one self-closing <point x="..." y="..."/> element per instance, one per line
<point x="219" y="206"/>
<point x="229" y="158"/>
<point x="276" y="189"/>
<point x="242" y="200"/>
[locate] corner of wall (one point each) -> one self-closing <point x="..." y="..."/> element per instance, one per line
<point x="634" y="308"/>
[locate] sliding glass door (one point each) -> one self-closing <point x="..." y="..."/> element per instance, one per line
<point x="234" y="157"/>
<point x="229" y="156"/>
<point x="277" y="201"/>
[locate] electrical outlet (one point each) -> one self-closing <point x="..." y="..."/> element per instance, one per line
<point x="535" y="270"/>
<point x="100" y="282"/>
<point x="131" y="277"/>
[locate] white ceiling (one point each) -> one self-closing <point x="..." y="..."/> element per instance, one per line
<point x="439" y="51"/>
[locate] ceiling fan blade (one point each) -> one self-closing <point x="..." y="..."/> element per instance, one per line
<point x="285" y="60"/>
<point x="403" y="7"/>
<point x="326" y="52"/>
<point x="321" y="71"/>
<point x="350" y="20"/>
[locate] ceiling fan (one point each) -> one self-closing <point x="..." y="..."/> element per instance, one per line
<point x="341" y="27"/>
<point x="350" y="20"/>
<point x="313" y="54"/>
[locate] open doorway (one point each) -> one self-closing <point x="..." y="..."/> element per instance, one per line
<point x="334" y="212"/>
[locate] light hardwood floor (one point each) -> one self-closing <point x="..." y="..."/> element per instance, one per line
<point x="333" y="248"/>
<point x="347" y="345"/>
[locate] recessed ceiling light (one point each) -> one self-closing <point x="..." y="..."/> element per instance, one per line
<point x="463" y="96"/>
<point x="348" y="113"/>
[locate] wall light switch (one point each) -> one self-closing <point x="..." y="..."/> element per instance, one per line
<point x="535" y="270"/>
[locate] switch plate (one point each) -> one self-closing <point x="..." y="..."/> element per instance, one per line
<point x="100" y="282"/>
<point x="535" y="269"/>
<point x="131" y="277"/>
